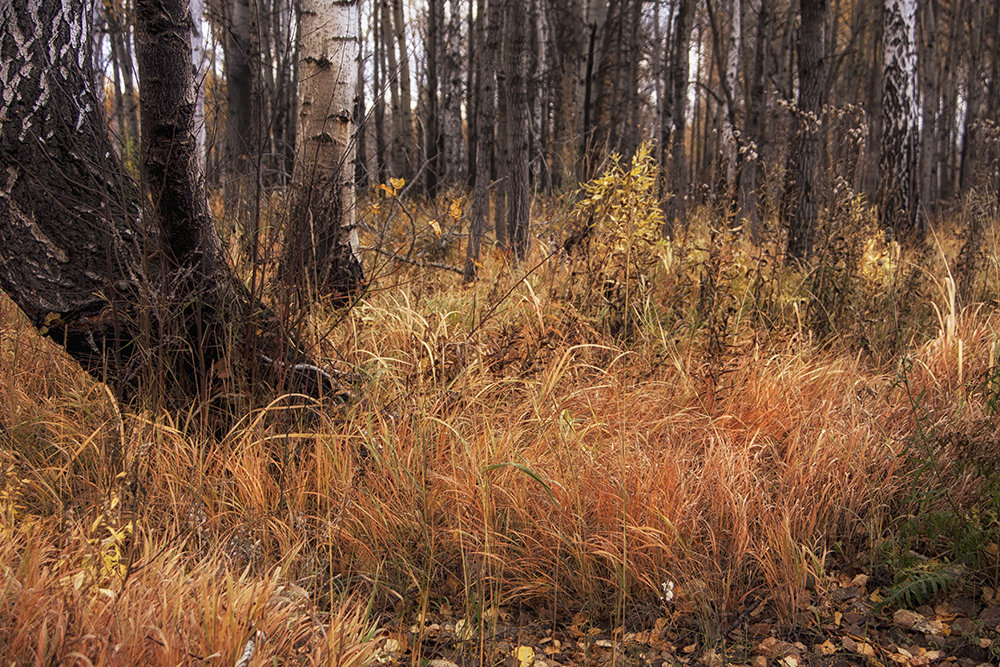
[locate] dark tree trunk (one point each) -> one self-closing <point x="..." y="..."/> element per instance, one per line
<point x="432" y="135"/>
<point x="750" y="179"/>
<point x="518" y="150"/>
<point x="70" y="251"/>
<point x="569" y="33"/>
<point x="240" y="140"/>
<point x="489" y="33"/>
<point x="73" y="241"/>
<point x="805" y="152"/>
<point x="378" y="85"/>
<point x="677" y="89"/>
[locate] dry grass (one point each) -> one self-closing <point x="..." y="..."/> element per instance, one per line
<point x="510" y="448"/>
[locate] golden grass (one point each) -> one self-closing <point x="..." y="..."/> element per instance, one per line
<point x="508" y="449"/>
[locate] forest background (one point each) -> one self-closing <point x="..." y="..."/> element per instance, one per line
<point x="664" y="325"/>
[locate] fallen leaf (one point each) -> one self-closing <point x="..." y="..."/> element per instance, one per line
<point x="826" y="648"/>
<point x="904" y="618"/>
<point x="859" y="648"/>
<point x="525" y="656"/>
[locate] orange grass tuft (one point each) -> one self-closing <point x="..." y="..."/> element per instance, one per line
<point x="509" y="448"/>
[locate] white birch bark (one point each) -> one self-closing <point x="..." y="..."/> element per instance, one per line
<point x="898" y="192"/>
<point x="732" y="83"/>
<point x="322" y="248"/>
<point x="200" y="69"/>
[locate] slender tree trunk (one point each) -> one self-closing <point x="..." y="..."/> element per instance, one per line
<point x="360" y="118"/>
<point x="240" y="139"/>
<point x="200" y="71"/>
<point x="972" y="140"/>
<point x="451" y="108"/>
<point x="750" y="180"/>
<point x="805" y="153"/>
<point x="732" y="94"/>
<point x="379" y="86"/>
<point x="515" y="90"/>
<point x="678" y="91"/>
<point x="321" y="249"/>
<point x="432" y="140"/>
<point x="397" y="156"/>
<point x="476" y="38"/>
<point x="489" y="34"/>
<point x="407" y="142"/>
<point x="899" y="197"/>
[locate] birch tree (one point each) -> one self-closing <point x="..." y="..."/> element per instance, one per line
<point x="321" y="253"/>
<point x="899" y="201"/>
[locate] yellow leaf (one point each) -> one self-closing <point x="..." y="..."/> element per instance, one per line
<point x="455" y="210"/>
<point x="397" y="183"/>
<point x="525" y="656"/>
<point x="436" y="227"/>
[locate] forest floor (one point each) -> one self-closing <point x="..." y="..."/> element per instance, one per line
<point x="639" y="452"/>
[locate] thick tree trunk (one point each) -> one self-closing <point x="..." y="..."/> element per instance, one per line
<point x="321" y="254"/>
<point x="805" y="152"/>
<point x="73" y="241"/>
<point x="899" y="197"/>
<point x="70" y="253"/>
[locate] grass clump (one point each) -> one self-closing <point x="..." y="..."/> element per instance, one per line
<point x="717" y="421"/>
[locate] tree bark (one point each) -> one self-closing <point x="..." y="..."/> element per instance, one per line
<point x="454" y="163"/>
<point x="489" y="34"/>
<point x="70" y="251"/>
<point x="200" y="70"/>
<point x="432" y="133"/>
<point x="515" y="91"/>
<point x="751" y="177"/>
<point x="321" y="255"/>
<point x="899" y="203"/>
<point x="240" y="137"/>
<point x="136" y="304"/>
<point x="805" y="152"/>
<point x="677" y="134"/>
